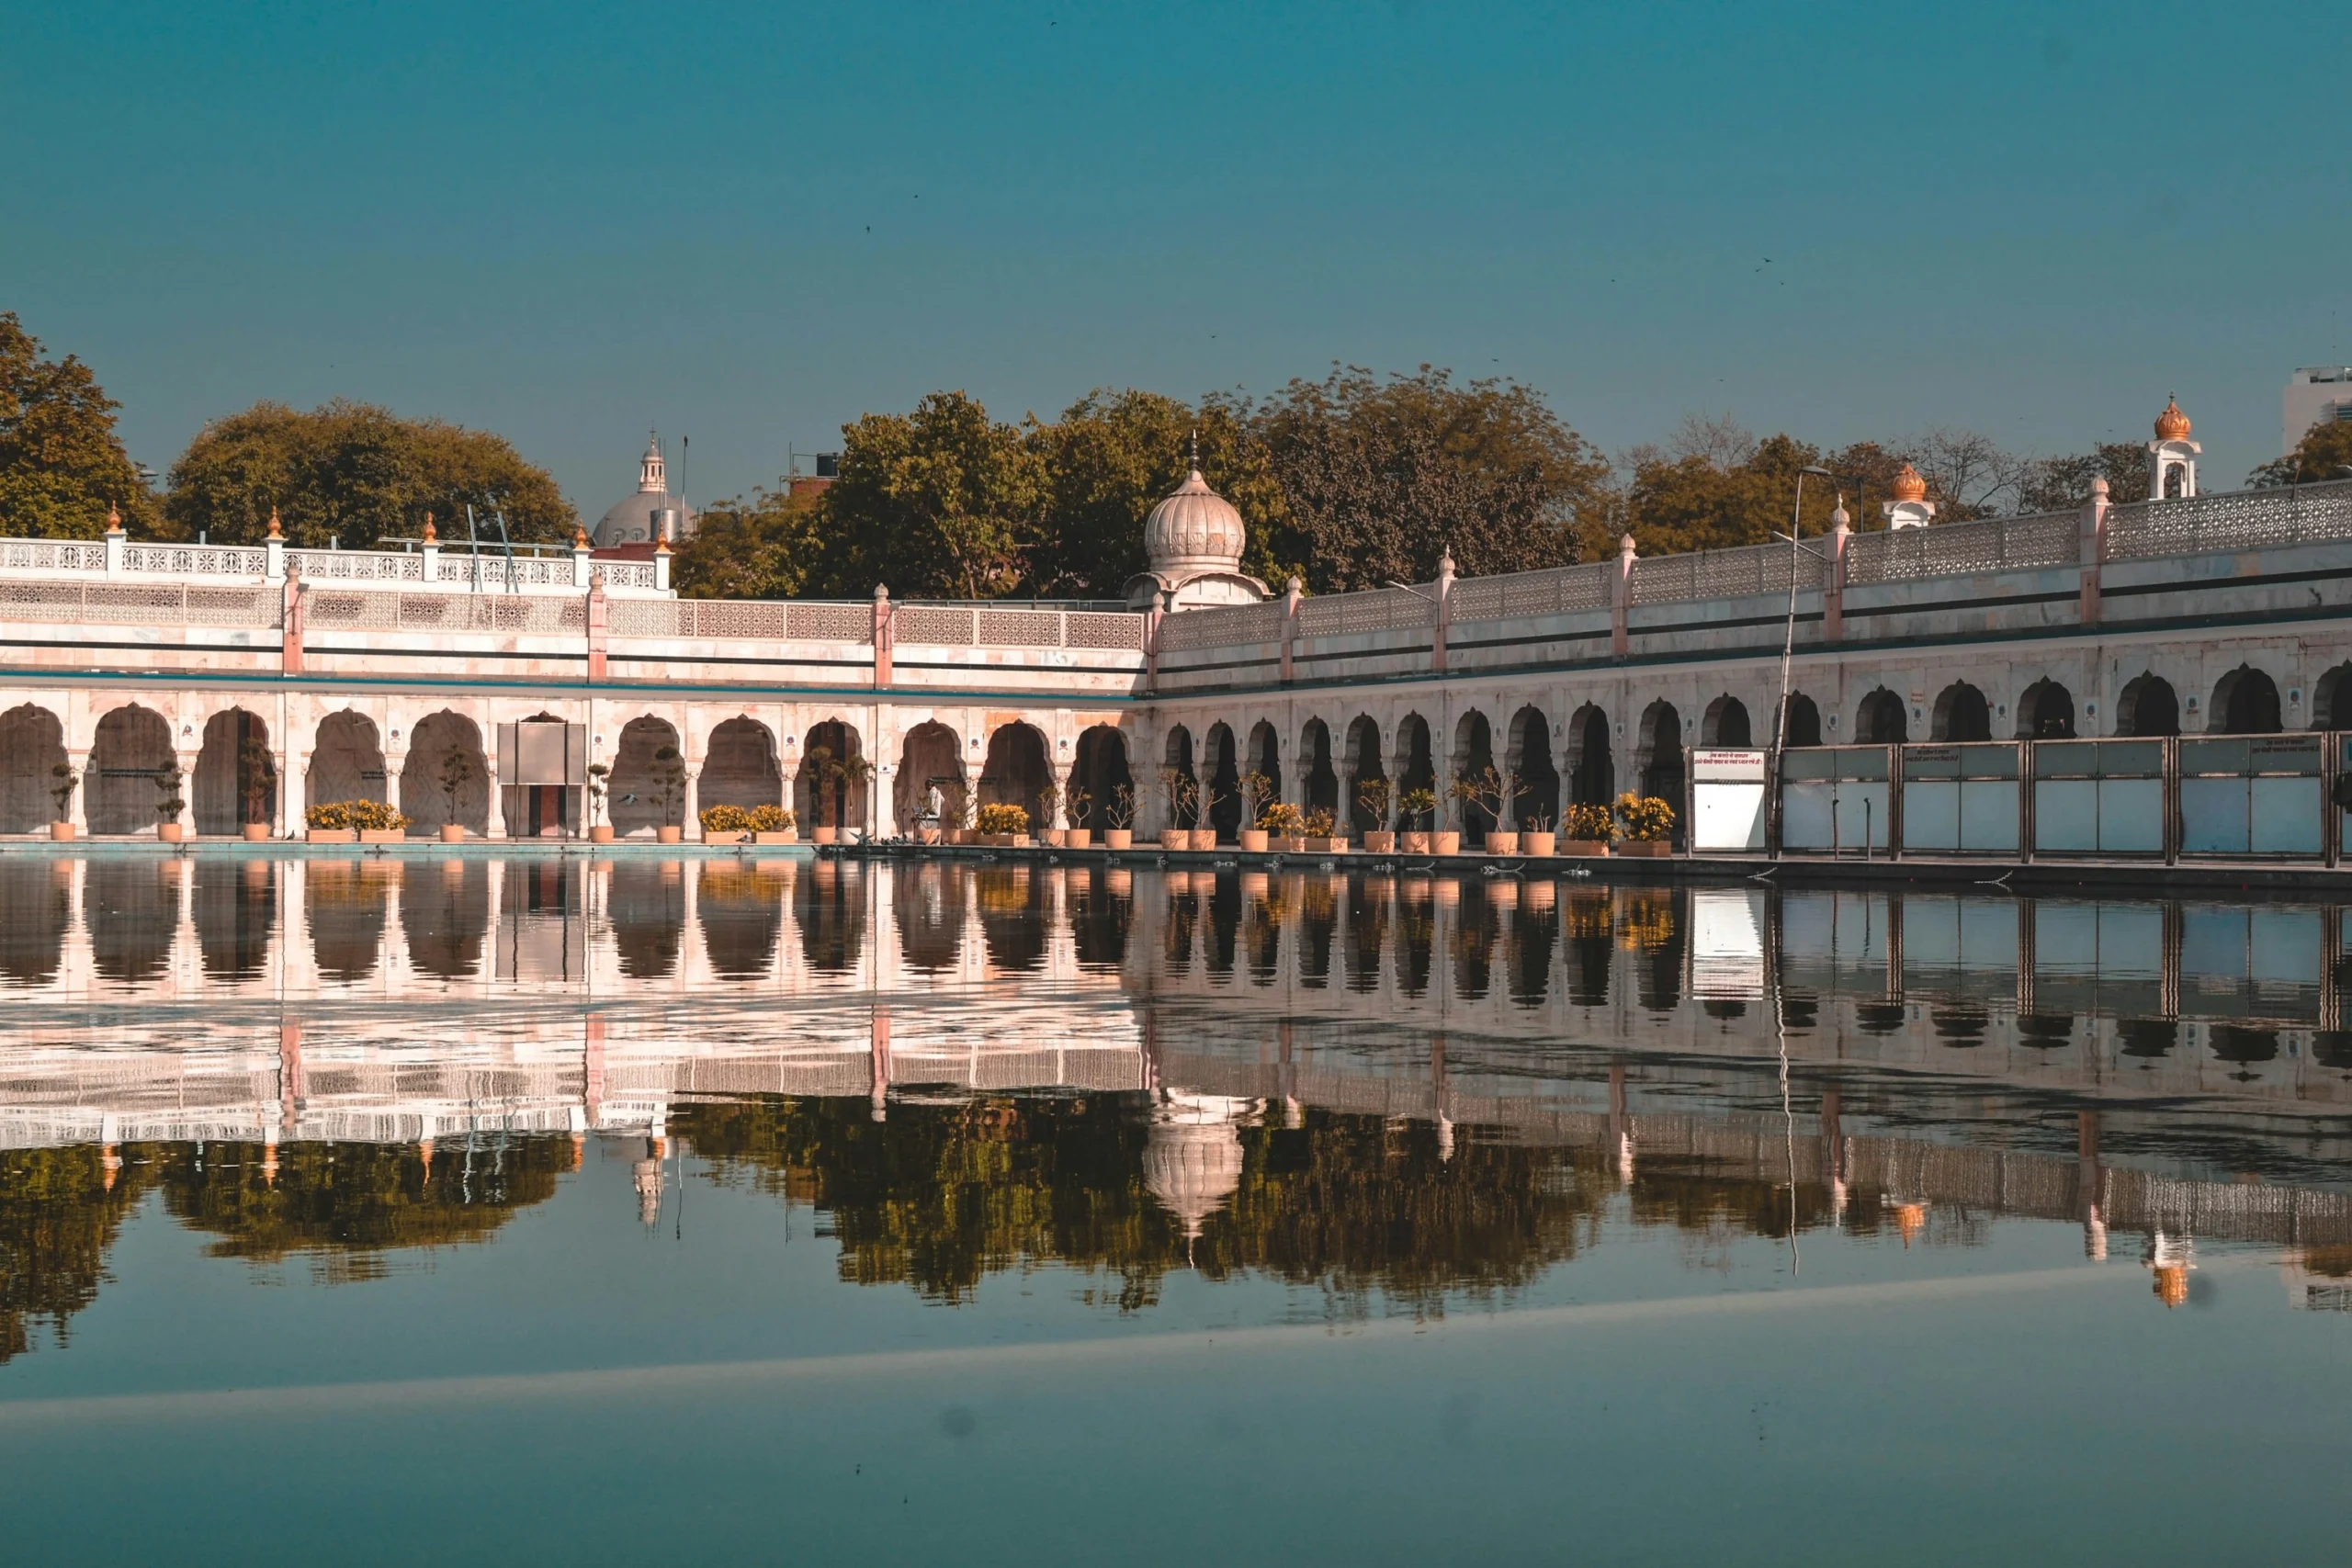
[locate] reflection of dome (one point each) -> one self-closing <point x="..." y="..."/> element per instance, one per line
<point x="2172" y="425"/>
<point x="1909" y="485"/>
<point x="1191" y="1160"/>
<point x="1193" y="530"/>
<point x="631" y="522"/>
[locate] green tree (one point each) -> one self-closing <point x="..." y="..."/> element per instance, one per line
<point x="61" y="464"/>
<point x="354" y="473"/>
<point x="2323" y="453"/>
<point x="765" y="546"/>
<point x="2060" y="484"/>
<point x="941" y="502"/>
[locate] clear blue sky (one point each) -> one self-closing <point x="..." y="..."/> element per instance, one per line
<point x="752" y="223"/>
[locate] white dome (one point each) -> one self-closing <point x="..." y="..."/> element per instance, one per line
<point x="1193" y="531"/>
<point x="631" y="522"/>
<point x="1192" y="1159"/>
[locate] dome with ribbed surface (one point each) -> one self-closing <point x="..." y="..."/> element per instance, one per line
<point x="2172" y="425"/>
<point x="1193" y="530"/>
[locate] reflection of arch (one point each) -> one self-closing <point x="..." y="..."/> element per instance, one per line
<point x="38" y="897"/>
<point x="2245" y="701"/>
<point x="1099" y="768"/>
<point x="1318" y="779"/>
<point x="433" y="742"/>
<point x="1017" y="771"/>
<point x="822" y="791"/>
<point x="445" y="914"/>
<point x="1528" y="751"/>
<point x="1362" y="767"/>
<point x="645" y="909"/>
<point x="647" y="790"/>
<point x="1221" y="784"/>
<point x="1474" y="752"/>
<point x="2046" y="712"/>
<point x="134" y="745"/>
<point x="929" y="903"/>
<point x="739" y="766"/>
<point x="1725" y="723"/>
<point x="2330" y="706"/>
<point x="233" y="785"/>
<point x="130" y="907"/>
<point x="741" y="911"/>
<point x="1960" y="715"/>
<point x="346" y="761"/>
<point x="2147" y="707"/>
<point x="1804" y="720"/>
<point x="1880" y="721"/>
<point x="931" y="758"/>
<point x="1592" y="772"/>
<point x="32" y="746"/>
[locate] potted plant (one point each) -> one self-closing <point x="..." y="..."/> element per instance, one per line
<point x="1075" y="805"/>
<point x="1048" y="799"/>
<point x="1323" y="835"/>
<point x="967" y="813"/>
<point x="1416" y="805"/>
<point x="257" y="783"/>
<point x="329" y="822"/>
<point x="1647" y="824"/>
<point x="1585" y="829"/>
<point x="1256" y="788"/>
<point x="833" y="775"/>
<point x="1182" y="793"/>
<point x="61" y="791"/>
<point x="376" y="822"/>
<point x="457" y="771"/>
<point x="600" y="784"/>
<point x="1005" y="825"/>
<point x="773" y="825"/>
<point x="1495" y="794"/>
<point x="169" y="803"/>
<point x="1284" y="826"/>
<point x="668" y="785"/>
<point x="1535" y="835"/>
<point x="724" y="824"/>
<point x="1373" y="796"/>
<point x="1119" y="818"/>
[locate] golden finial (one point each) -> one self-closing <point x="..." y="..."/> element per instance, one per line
<point x="273" y="525"/>
<point x="578" y="537"/>
<point x="431" y="537"/>
<point x="2172" y="425"/>
<point x="114" y="519"/>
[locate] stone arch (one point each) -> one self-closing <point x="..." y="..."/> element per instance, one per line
<point x="234" y="782"/>
<point x="1658" y="757"/>
<point x="739" y="766"/>
<point x="2148" y="706"/>
<point x="2245" y="701"/>
<point x="446" y="777"/>
<point x="2046" y="712"/>
<point x="1266" y="756"/>
<point x="1804" y="721"/>
<point x="647" y="789"/>
<point x="1960" y="715"/>
<point x="346" y="761"/>
<point x="2332" y="699"/>
<point x="1725" y="724"/>
<point x="1100" y="769"/>
<point x="1416" y="765"/>
<point x="823" y="791"/>
<point x="32" y="747"/>
<point x="1593" y="770"/>
<point x="1473" y="753"/>
<point x="1528" y="751"/>
<point x="133" y="749"/>
<point x="1882" y="720"/>
<point x="1363" y="766"/>
<point x="1177" y="756"/>
<point x="1017" y="770"/>
<point x="1221" y="784"/>
<point x="930" y="757"/>
<point x="1318" y="779"/>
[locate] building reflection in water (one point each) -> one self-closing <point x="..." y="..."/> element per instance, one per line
<point x="1393" y="1090"/>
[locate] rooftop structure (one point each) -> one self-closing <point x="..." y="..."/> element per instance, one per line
<point x="2315" y="393"/>
<point x="650" y="514"/>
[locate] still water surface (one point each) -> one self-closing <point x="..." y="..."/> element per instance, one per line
<point x="478" y="1210"/>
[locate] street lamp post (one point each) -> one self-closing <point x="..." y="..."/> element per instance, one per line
<point x="1789" y="643"/>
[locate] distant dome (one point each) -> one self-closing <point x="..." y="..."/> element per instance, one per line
<point x="1192" y="1159"/>
<point x="2172" y="425"/>
<point x="631" y="521"/>
<point x="1193" y="531"/>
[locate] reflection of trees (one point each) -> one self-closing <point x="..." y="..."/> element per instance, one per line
<point x="939" y="1197"/>
<point x="57" y="1219"/>
<point x="347" y="1205"/>
<point x="741" y="911"/>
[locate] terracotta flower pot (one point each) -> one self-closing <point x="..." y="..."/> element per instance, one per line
<point x="1118" y="837"/>
<point x="1414" y="841"/>
<point x="1537" y="843"/>
<point x="382" y="836"/>
<point x="62" y="832"/>
<point x="170" y="832"/>
<point x="1053" y="838"/>
<point x="1253" y="840"/>
<point x="1646" y="849"/>
<point x="1379" y="843"/>
<point x="1445" y="841"/>
<point x="825" y="836"/>
<point x="670" y="833"/>
<point x="453" y="833"/>
<point x="255" y="832"/>
<point x="1175" y="839"/>
<point x="1078" y="838"/>
<point x="1502" y="843"/>
<point x="778" y="836"/>
<point x="1583" y="846"/>
<point x="602" y="833"/>
<point x="1017" y="840"/>
<point x="330" y="836"/>
<point x="1205" y="837"/>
